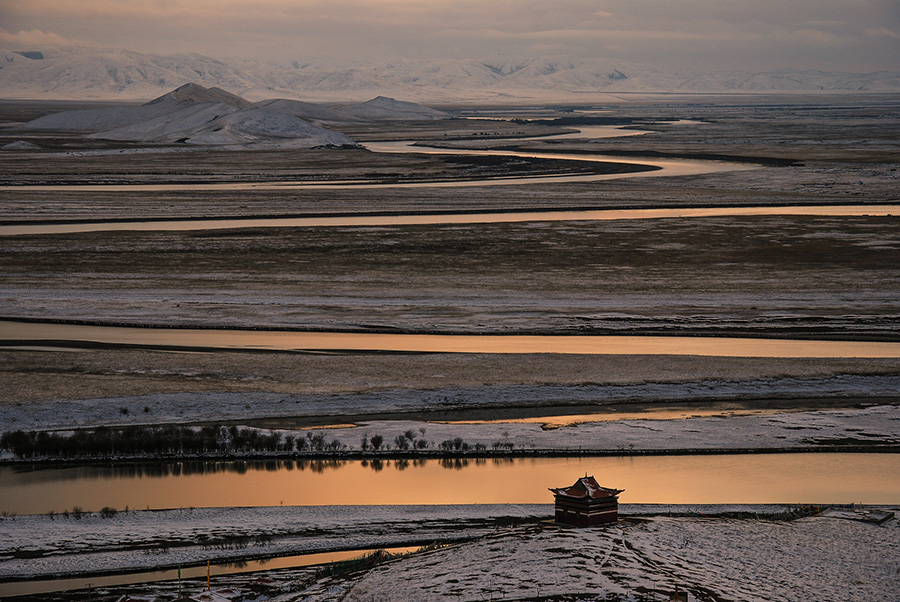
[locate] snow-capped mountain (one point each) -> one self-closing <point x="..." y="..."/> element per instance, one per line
<point x="90" y="73"/>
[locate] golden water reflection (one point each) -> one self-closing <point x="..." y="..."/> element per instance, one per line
<point x="17" y="333"/>
<point x="562" y="420"/>
<point x="712" y="479"/>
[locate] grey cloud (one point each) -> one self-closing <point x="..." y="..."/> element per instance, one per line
<point x="749" y="34"/>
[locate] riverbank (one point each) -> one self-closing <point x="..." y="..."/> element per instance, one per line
<point x="461" y="458"/>
<point x="652" y="551"/>
<point x="555" y="403"/>
<point x="670" y="432"/>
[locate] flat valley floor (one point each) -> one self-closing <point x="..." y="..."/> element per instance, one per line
<point x="789" y="277"/>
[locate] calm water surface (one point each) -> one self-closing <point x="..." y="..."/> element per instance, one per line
<point x="714" y="479"/>
<point x="44" y="334"/>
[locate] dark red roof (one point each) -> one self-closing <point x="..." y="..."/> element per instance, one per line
<point x="587" y="487"/>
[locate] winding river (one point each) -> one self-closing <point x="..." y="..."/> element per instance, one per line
<point x="655" y="168"/>
<point x="34" y="335"/>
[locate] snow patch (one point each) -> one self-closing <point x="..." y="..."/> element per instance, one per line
<point x="19" y="145"/>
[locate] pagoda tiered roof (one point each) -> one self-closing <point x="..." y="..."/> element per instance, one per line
<point x="587" y="488"/>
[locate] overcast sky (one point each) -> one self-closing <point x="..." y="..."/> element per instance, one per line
<point x="852" y="35"/>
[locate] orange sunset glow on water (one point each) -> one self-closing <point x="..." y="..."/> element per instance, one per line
<point x="765" y="478"/>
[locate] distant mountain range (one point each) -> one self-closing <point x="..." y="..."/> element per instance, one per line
<point x="194" y="115"/>
<point x="89" y="73"/>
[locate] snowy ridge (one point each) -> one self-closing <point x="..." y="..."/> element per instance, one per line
<point x="93" y="120"/>
<point x="91" y="73"/>
<point x="375" y="110"/>
<point x="197" y="93"/>
<point x="309" y="111"/>
<point x="260" y="125"/>
<point x="215" y="124"/>
<point x="388" y="109"/>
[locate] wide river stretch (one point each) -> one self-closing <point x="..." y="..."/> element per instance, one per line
<point x="801" y="478"/>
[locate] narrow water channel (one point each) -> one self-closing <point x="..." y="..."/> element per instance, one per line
<point x="705" y="479"/>
<point x="443" y="218"/>
<point x="39" y="334"/>
<point x="196" y="573"/>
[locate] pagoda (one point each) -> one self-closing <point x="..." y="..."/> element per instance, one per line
<point x="586" y="503"/>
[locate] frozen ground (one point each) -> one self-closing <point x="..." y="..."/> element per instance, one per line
<point x="737" y="553"/>
<point x="40" y="545"/>
<point x="878" y="425"/>
<point x="713" y="559"/>
<point x="774" y="276"/>
<point x="873" y="426"/>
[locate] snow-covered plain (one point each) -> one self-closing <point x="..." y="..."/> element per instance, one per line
<point x="712" y="559"/>
<point x="144" y="539"/>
